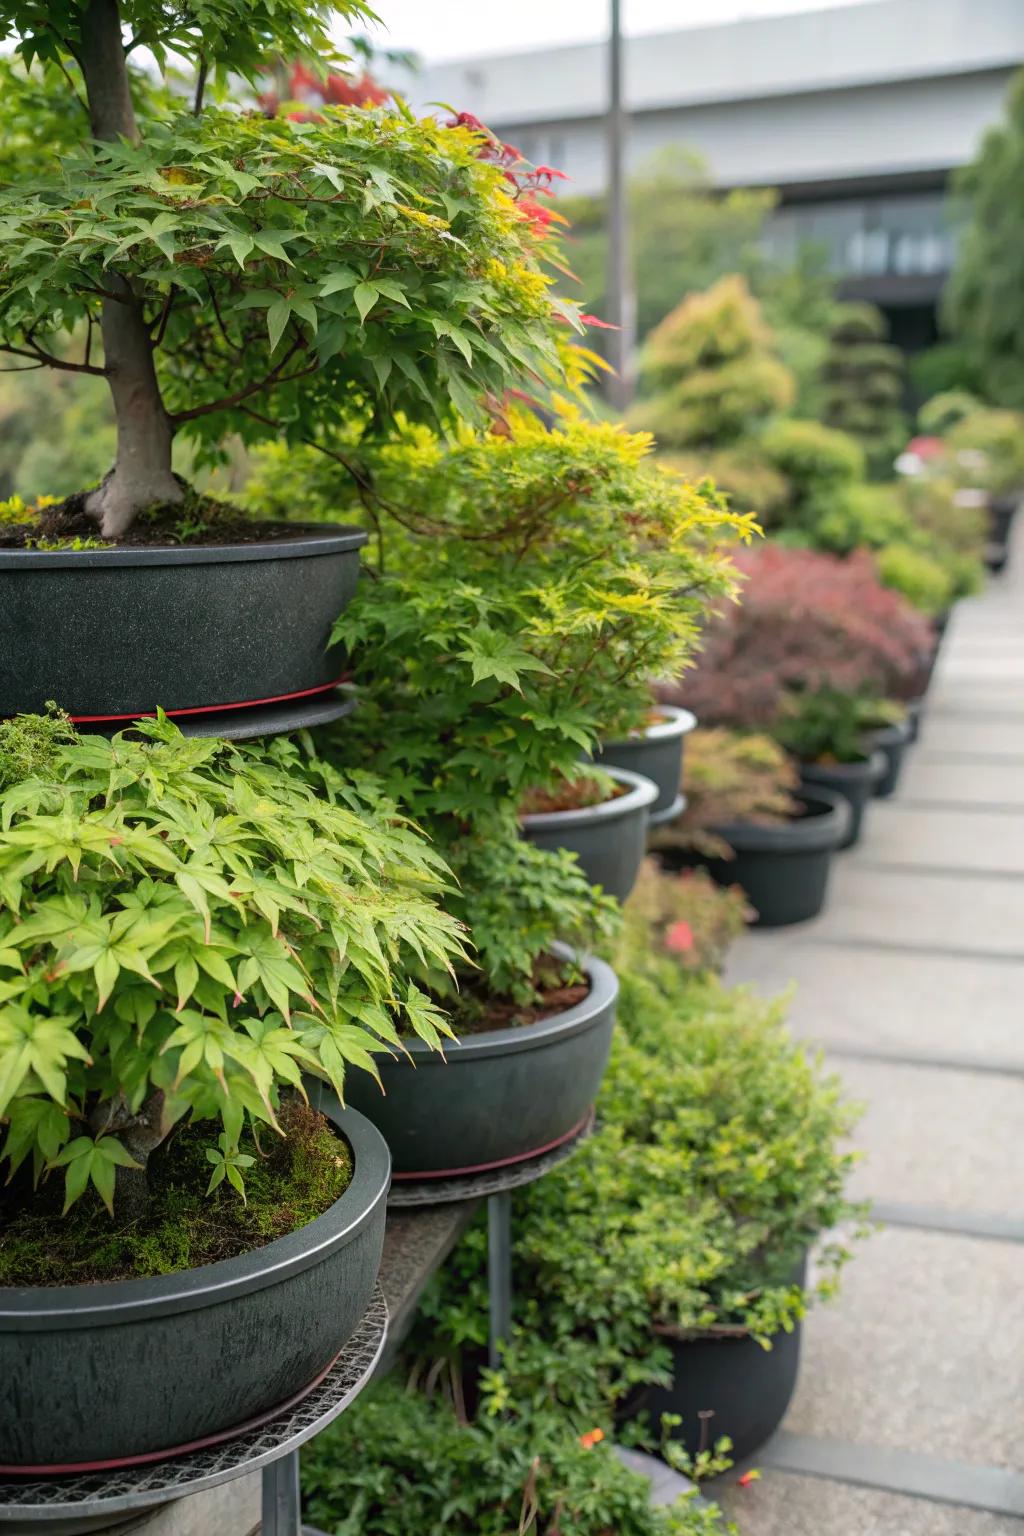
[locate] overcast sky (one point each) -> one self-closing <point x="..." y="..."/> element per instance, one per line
<point x="449" y="29"/>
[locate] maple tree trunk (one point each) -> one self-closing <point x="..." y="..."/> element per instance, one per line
<point x="142" y="473"/>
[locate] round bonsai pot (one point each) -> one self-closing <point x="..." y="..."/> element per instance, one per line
<point x="854" y="781"/>
<point x="608" y="839"/>
<point x="137" y="1369"/>
<point x="892" y="741"/>
<point x="495" y="1098"/>
<point x="110" y="634"/>
<point x="731" y="1386"/>
<point x="915" y="713"/>
<point x="783" y="869"/>
<point x="1001" y="512"/>
<point x="657" y="754"/>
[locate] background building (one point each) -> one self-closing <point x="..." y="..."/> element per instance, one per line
<point x="857" y="115"/>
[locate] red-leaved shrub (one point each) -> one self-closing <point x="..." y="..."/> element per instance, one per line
<point x="804" y="621"/>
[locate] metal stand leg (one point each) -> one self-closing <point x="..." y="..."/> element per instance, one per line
<point x="499" y="1272"/>
<point x="281" y="1505"/>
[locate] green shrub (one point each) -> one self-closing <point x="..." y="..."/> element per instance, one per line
<point x="532" y="587"/>
<point x="946" y="410"/>
<point x="828" y="726"/>
<point x="716" y="1165"/>
<point x="988" y="450"/>
<point x="187" y="926"/>
<point x="709" y="375"/>
<point x="400" y="1464"/>
<point x="516" y="901"/>
<point x="927" y="583"/>
<point x="863" y="385"/>
<point x="819" y="465"/>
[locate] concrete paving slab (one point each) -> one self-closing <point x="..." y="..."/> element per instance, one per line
<point x="979" y="696"/>
<point x="783" y="1504"/>
<point x="942" y="912"/>
<point x="950" y="1005"/>
<point x="938" y="838"/>
<point x="1002" y="736"/>
<point x="922" y="1351"/>
<point x="937" y="1138"/>
<point x="973" y="784"/>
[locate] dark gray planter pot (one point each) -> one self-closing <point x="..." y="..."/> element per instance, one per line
<point x="892" y="741"/>
<point x="915" y="717"/>
<point x="854" y="781"/>
<point x="112" y="633"/>
<point x="495" y="1098"/>
<point x="1001" y="513"/>
<point x="782" y="869"/>
<point x="657" y="754"/>
<point x="94" y="1373"/>
<point x="608" y="839"/>
<point x="745" y="1389"/>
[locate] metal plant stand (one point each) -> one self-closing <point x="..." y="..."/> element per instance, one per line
<point x="495" y="1186"/>
<point x="96" y="1501"/>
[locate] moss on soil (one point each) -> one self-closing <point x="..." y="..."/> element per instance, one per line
<point x="294" y="1179"/>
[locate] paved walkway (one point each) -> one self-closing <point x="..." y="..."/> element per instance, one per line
<point x="908" y="1419"/>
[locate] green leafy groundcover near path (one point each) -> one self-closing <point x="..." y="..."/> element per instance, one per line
<point x="400" y="1464"/>
<point x="717" y="1164"/>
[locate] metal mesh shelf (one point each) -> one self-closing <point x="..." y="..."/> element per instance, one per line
<point x="495" y="1181"/>
<point x="48" y="1500"/>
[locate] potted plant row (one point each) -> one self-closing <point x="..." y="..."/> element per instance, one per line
<point x="814" y="655"/>
<point x="174" y="916"/>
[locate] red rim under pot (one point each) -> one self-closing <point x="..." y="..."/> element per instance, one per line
<point x="496" y="1098"/>
<point x="783" y="869"/>
<point x="728" y="1385"/>
<point x="137" y="1369"/>
<point x="608" y="839"/>
<point x="110" y="634"/>
<point x="658" y="754"/>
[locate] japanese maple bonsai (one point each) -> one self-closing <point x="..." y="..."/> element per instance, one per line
<point x="530" y="587"/>
<point x="225" y="274"/>
<point x="187" y="929"/>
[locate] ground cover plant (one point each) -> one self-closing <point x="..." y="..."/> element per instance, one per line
<point x="226" y="273"/>
<point x="186" y="927"/>
<point x="400" y="1463"/>
<point x="717" y="1163"/>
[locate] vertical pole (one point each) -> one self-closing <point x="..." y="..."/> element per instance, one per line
<point x="499" y="1273"/>
<point x="620" y="288"/>
<point x="281" y="1501"/>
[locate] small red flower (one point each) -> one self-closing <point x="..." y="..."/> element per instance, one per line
<point x="591" y="1438"/>
<point x="679" y="938"/>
